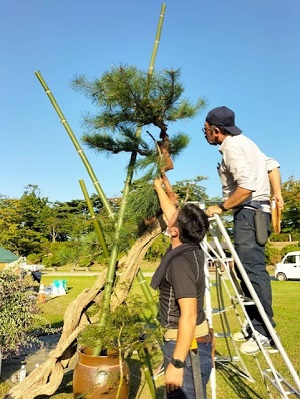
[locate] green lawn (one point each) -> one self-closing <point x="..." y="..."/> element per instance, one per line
<point x="54" y="308"/>
<point x="229" y="385"/>
<point x="286" y="310"/>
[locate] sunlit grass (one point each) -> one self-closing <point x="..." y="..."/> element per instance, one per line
<point x="54" y="308"/>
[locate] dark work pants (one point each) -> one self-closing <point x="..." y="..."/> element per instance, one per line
<point x="252" y="256"/>
<point x="187" y="391"/>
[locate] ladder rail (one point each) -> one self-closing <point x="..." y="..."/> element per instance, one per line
<point x="257" y="302"/>
<point x="276" y="380"/>
<point x="281" y="378"/>
<point x="206" y="247"/>
<point x="208" y="311"/>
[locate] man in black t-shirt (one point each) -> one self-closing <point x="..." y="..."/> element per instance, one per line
<point x="180" y="279"/>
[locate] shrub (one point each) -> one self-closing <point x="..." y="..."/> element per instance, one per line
<point x="282" y="237"/>
<point x="289" y="248"/>
<point x="273" y="255"/>
<point x="19" y="313"/>
<point x="34" y="258"/>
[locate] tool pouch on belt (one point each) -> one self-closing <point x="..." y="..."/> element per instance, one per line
<point x="261" y="229"/>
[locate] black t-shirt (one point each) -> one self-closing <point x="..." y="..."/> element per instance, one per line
<point x="184" y="279"/>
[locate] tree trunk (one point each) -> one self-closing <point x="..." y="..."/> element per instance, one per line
<point x="129" y="264"/>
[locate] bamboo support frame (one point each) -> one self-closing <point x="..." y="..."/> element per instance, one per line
<point x="77" y="145"/>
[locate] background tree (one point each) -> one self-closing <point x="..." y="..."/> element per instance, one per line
<point x="291" y="212"/>
<point x="10" y="222"/>
<point x="190" y="190"/>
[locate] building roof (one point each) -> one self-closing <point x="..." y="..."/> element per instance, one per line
<point x="7" y="256"/>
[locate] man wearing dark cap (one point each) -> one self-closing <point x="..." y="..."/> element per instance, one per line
<point x="180" y="279"/>
<point x="246" y="176"/>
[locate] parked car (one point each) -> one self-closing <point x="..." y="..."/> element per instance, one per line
<point x="289" y="267"/>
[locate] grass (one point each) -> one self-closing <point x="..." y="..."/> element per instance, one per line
<point x="229" y="385"/>
<point x="54" y="308"/>
<point x="285" y="304"/>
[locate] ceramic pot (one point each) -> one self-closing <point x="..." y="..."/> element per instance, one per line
<point x="99" y="376"/>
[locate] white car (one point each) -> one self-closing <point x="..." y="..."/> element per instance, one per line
<point x="289" y="267"/>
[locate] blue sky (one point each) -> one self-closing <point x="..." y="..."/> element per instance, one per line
<point x="238" y="53"/>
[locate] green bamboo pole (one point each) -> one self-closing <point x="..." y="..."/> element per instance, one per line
<point x="157" y="39"/>
<point x="76" y="144"/>
<point x="146" y="365"/>
<point x="148" y="295"/>
<point x="95" y="221"/>
<point x="113" y="259"/>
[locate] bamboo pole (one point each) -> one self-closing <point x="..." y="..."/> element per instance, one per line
<point x="157" y="39"/>
<point x="76" y="144"/>
<point x="148" y="295"/>
<point x="130" y="170"/>
<point x="146" y="364"/>
<point x="95" y="221"/>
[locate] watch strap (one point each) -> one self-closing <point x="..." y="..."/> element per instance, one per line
<point x="221" y="206"/>
<point x="177" y="363"/>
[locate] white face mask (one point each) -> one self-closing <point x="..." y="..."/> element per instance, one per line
<point x="166" y="232"/>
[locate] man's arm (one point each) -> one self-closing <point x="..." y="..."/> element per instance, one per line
<point x="275" y="181"/>
<point x="167" y="206"/>
<point x="238" y="196"/>
<point x="186" y="333"/>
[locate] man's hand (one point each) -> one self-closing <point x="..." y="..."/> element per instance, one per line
<point x="173" y="378"/>
<point x="279" y="201"/>
<point x="158" y="183"/>
<point x="211" y="210"/>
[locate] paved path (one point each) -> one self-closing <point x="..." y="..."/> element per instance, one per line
<point x="75" y="273"/>
<point x="91" y="273"/>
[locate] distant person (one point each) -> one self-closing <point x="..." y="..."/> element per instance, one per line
<point x="246" y="175"/>
<point x="181" y="282"/>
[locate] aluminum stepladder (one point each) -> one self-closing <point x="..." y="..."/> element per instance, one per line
<point x="273" y="380"/>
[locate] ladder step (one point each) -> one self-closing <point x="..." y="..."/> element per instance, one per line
<point x="284" y="385"/>
<point x="222" y="335"/>
<point x="272" y="350"/>
<point x="241" y="298"/>
<point x="218" y="310"/>
<point x="227" y="359"/>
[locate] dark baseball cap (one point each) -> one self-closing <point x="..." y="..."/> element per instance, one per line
<point x="223" y="116"/>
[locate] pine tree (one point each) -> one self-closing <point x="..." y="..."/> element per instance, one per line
<point x="129" y="101"/>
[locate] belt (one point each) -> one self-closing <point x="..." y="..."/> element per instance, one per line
<point x="200" y="330"/>
<point x="255" y="203"/>
<point x="264" y="202"/>
<point x="252" y="205"/>
<point x="205" y="340"/>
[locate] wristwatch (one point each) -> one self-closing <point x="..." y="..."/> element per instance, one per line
<point x="179" y="364"/>
<point x="221" y="206"/>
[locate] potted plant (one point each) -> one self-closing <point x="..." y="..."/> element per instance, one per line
<point x="102" y="370"/>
